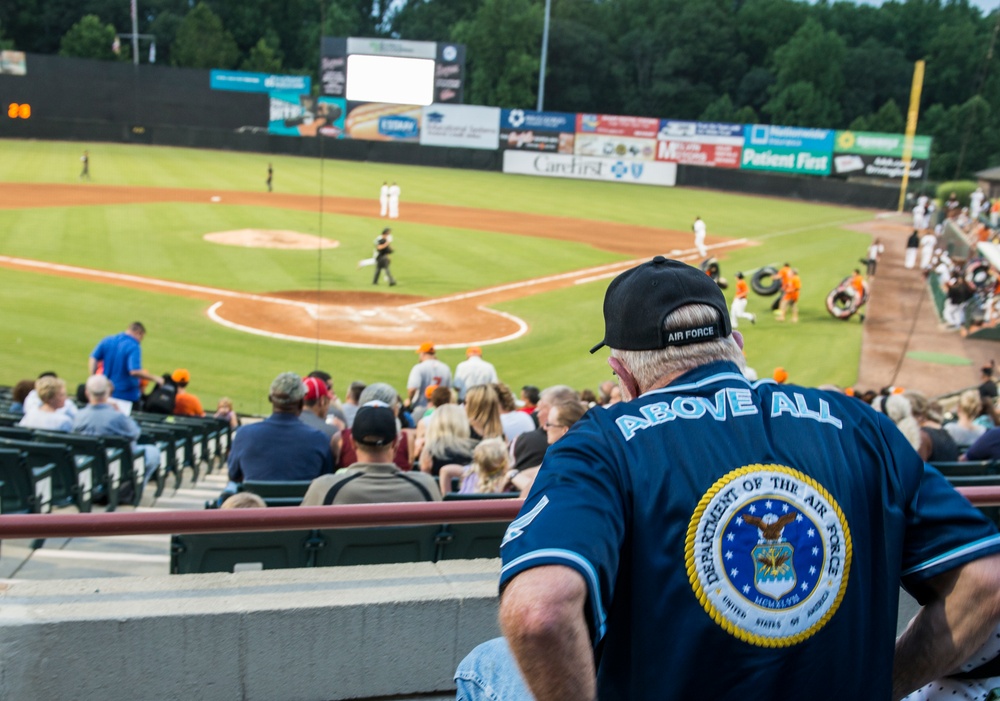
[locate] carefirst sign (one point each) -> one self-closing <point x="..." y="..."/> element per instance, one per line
<point x="554" y="165"/>
<point x="787" y="149"/>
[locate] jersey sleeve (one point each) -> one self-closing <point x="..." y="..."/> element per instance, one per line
<point x="575" y="516"/>
<point x="943" y="531"/>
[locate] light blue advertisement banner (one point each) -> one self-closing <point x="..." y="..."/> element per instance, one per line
<point x="802" y="138"/>
<point x="294" y="114"/>
<point x="241" y="81"/>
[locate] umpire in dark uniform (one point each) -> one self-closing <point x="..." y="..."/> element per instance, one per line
<point x="383" y="249"/>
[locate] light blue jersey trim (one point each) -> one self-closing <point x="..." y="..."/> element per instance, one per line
<point x="954" y="554"/>
<point x="731" y="376"/>
<point x="582" y="563"/>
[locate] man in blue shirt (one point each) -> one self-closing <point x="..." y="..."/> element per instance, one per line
<point x="121" y="356"/>
<point x="280" y="448"/>
<point x="710" y="538"/>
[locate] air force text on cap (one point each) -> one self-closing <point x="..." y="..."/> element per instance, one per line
<point x="726" y="402"/>
<point x="709" y="331"/>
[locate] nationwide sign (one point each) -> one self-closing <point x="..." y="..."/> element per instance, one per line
<point x="787" y="149"/>
<point x="583" y="168"/>
<point x="700" y="143"/>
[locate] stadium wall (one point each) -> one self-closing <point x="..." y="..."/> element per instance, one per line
<point x="83" y="100"/>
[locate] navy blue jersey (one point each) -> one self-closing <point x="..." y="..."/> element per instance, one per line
<point x="743" y="540"/>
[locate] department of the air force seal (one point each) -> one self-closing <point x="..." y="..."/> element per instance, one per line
<point x="768" y="554"/>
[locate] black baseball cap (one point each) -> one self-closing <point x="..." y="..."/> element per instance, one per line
<point x="639" y="300"/>
<point x="374" y="425"/>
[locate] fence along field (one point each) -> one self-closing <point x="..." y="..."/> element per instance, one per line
<point x="54" y="322"/>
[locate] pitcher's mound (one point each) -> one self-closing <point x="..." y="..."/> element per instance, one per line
<point x="270" y="238"/>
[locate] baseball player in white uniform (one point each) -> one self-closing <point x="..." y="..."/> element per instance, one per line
<point x="699" y="236"/>
<point x="394" y="201"/>
<point x="383" y="200"/>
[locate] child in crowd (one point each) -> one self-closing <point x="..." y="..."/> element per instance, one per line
<point x="488" y="471"/>
<point x="225" y="411"/>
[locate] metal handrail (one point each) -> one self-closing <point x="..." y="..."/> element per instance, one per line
<point x="73" y="525"/>
<point x="295" y="518"/>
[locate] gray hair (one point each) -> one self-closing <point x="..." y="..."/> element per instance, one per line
<point x="558" y="394"/>
<point x="98" y="386"/>
<point x="287" y="389"/>
<point x="649" y="366"/>
<point x="380" y="392"/>
<point x="899" y="409"/>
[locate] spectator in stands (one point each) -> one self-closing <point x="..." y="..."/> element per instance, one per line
<point x="482" y="406"/>
<point x="964" y="431"/>
<point x="588" y="397"/>
<point x="604" y="391"/>
<point x="333" y="410"/>
<point x="560" y="420"/>
<point x="529" y="399"/>
<point x="314" y="413"/>
<point x="101" y="418"/>
<point x="529" y="448"/>
<point x="350" y="405"/>
<point x="897" y="407"/>
<point x="635" y="568"/>
<point x="473" y="371"/>
<point x="514" y="422"/>
<point x="48" y="415"/>
<point x="428" y="371"/>
<point x="381" y="392"/>
<point x="32" y="401"/>
<point x="487" y="473"/>
<point x="280" y="448"/>
<point x="121" y="359"/>
<point x="438" y="397"/>
<point x="224" y="410"/>
<point x="21" y="390"/>
<point x="936" y="445"/>
<point x="988" y="386"/>
<point x="185" y="404"/>
<point x="374" y="479"/>
<point x="988" y="417"/>
<point x="243" y="500"/>
<point x="449" y="440"/>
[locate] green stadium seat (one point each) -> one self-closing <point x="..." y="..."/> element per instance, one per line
<point x="377" y="546"/>
<point x="107" y="462"/>
<point x="26" y="490"/>
<point x="236" y="552"/>
<point x="277" y="493"/>
<point x="470" y="541"/>
<point x="73" y="478"/>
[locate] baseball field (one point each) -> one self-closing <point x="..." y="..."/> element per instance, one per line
<point x="238" y="284"/>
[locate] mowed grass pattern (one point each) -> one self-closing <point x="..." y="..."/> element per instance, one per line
<point x="53" y="323"/>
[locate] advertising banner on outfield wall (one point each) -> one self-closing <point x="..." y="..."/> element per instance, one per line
<point x="241" y="81"/>
<point x="294" y="114"/>
<point x="889" y="167"/>
<point x="616" y="125"/>
<point x="461" y="126"/>
<point x="627" y="147"/>
<point x="554" y="165"/>
<point x="868" y="143"/>
<point x="713" y="144"/>
<point x="787" y="149"/>
<point x="527" y="130"/>
<point x="379" y="121"/>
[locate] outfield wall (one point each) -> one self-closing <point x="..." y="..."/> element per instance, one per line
<point x="83" y="100"/>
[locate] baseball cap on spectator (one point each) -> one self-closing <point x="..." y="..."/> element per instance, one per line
<point x="315" y="388"/>
<point x="780" y="375"/>
<point x="640" y="299"/>
<point x="473" y="350"/>
<point x="374" y="425"/>
<point x="181" y="376"/>
<point x="287" y="389"/>
<point x="430" y="390"/>
<point x="426" y="347"/>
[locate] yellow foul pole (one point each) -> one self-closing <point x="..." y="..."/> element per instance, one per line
<point x="911" y="127"/>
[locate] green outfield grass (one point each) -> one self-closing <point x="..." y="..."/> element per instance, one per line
<point x="53" y="323"/>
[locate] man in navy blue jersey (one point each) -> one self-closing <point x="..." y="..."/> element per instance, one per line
<point x="710" y="538"/>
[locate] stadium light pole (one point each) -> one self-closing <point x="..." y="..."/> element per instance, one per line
<point x="545" y="53"/>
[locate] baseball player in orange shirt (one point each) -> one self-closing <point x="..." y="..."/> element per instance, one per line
<point x="738" y="309"/>
<point x="790" y="296"/>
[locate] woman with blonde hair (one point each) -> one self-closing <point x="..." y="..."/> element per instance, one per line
<point x="488" y="472"/>
<point x="482" y="406"/>
<point x="448" y="439"/>
<point x="48" y="417"/>
<point x="963" y="431"/>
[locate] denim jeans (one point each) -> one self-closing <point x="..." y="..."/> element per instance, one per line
<point x="489" y="673"/>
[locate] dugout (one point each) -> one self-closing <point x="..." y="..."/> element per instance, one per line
<point x="75" y="99"/>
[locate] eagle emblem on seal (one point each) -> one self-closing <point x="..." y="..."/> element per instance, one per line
<point x="774" y="573"/>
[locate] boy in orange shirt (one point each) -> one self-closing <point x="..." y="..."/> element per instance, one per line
<point x="738" y="309"/>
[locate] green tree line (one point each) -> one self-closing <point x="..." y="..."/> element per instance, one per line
<point x="835" y="65"/>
